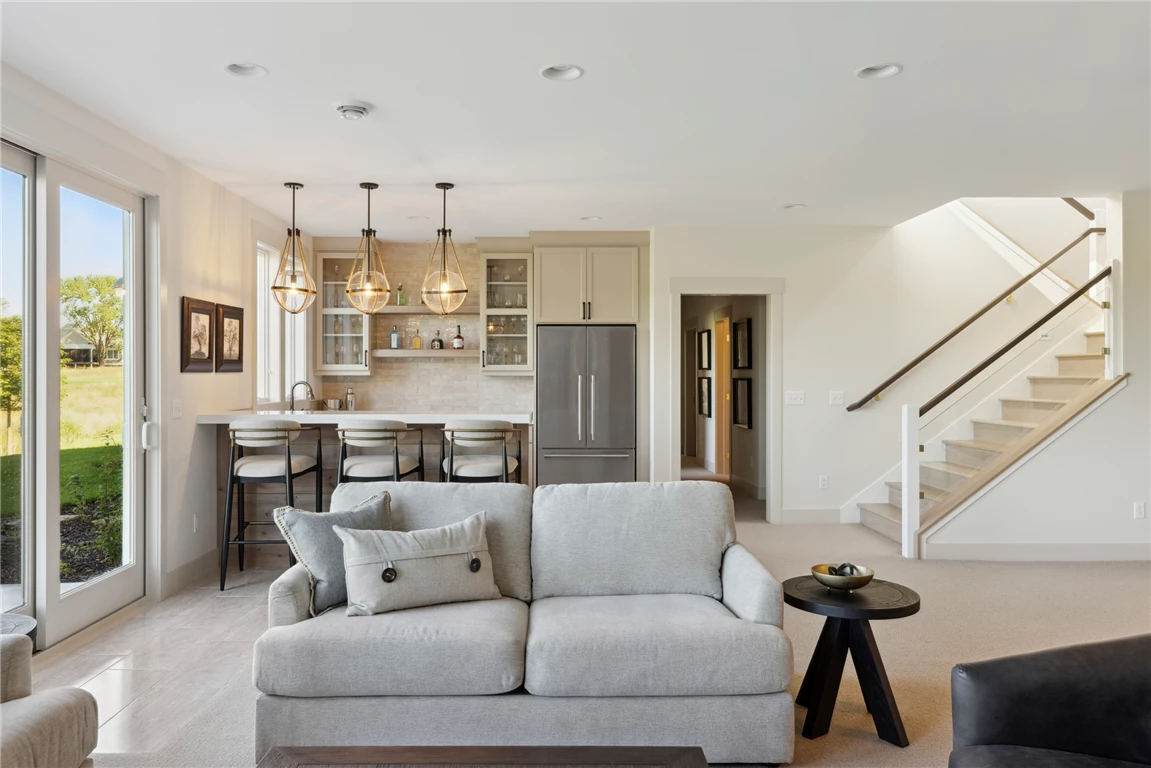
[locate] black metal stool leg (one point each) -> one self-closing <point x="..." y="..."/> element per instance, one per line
<point x="241" y="524"/>
<point x="227" y="535"/>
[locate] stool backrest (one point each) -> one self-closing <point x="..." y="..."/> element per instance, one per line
<point x="369" y="433"/>
<point x="263" y="433"/>
<point x="469" y="433"/>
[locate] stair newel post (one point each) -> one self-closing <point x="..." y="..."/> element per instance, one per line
<point x="1113" y="322"/>
<point x="910" y="481"/>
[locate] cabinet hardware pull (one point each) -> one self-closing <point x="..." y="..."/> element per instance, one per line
<point x="589" y="310"/>
<point x="587" y="456"/>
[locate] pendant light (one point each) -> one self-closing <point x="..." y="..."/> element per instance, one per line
<point x="294" y="288"/>
<point x="368" y="289"/>
<point x="444" y="290"/>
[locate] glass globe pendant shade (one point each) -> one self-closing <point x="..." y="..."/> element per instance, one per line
<point x="294" y="289"/>
<point x="368" y="288"/>
<point x="444" y="290"/>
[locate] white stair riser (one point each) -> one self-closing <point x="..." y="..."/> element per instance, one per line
<point x="938" y="478"/>
<point x="968" y="457"/>
<point x="1095" y="345"/>
<point x="895" y="497"/>
<point x="1074" y="367"/>
<point x="1056" y="390"/>
<point x="881" y="525"/>
<point x="997" y="433"/>
<point x="1033" y="413"/>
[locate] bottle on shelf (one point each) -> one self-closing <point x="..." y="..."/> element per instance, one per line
<point x="458" y="339"/>
<point x="394" y="342"/>
<point x="437" y="342"/>
<point x="350" y="399"/>
<point x="401" y="296"/>
<point x="417" y="342"/>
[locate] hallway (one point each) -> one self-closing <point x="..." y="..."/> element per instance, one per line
<point x="747" y="507"/>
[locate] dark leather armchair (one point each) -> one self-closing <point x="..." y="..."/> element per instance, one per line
<point x="1084" y="706"/>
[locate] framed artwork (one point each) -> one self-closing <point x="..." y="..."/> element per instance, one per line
<point x="703" y="350"/>
<point x="197" y="336"/>
<point x="741" y="344"/>
<point x="229" y="338"/>
<point x="741" y="403"/>
<point x="705" y="396"/>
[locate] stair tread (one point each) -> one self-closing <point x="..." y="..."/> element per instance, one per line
<point x="1005" y="423"/>
<point x="1085" y="379"/>
<point x="1082" y="356"/>
<point x="1033" y="400"/>
<point x="890" y="511"/>
<point x="1095" y="334"/>
<point x="929" y="491"/>
<point x="947" y="466"/>
<point x="981" y="445"/>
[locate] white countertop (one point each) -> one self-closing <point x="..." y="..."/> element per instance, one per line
<point x="331" y="417"/>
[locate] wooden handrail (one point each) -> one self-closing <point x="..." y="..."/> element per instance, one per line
<point x="1080" y="207"/>
<point x="1007" y="347"/>
<point x="959" y="328"/>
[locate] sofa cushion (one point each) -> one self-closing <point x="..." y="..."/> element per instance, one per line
<point x="630" y="538"/>
<point x="651" y="645"/>
<point x="458" y="649"/>
<point x="1006" y="756"/>
<point x="430" y="505"/>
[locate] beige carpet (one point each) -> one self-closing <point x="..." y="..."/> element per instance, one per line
<point x="198" y="710"/>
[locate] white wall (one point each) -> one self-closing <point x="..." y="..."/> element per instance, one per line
<point x="858" y="303"/>
<point x="1079" y="492"/>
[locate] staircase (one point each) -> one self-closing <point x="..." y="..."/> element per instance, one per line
<point x="944" y="484"/>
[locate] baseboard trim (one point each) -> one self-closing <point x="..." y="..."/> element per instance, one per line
<point x="1038" y="552"/>
<point x="190" y="573"/>
<point x="801" y="516"/>
<point x="748" y="487"/>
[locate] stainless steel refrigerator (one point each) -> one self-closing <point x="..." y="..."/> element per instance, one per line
<point x="585" y="404"/>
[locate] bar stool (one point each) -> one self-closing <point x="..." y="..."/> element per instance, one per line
<point x="375" y="467"/>
<point x="480" y="467"/>
<point x="264" y="468"/>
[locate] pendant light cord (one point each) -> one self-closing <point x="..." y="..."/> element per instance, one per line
<point x="444" y="233"/>
<point x="292" y="234"/>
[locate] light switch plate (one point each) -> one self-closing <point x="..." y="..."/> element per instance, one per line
<point x="835" y="398"/>
<point x="794" y="398"/>
<point x="177" y="409"/>
<point x="823" y="483"/>
<point x="1140" y="510"/>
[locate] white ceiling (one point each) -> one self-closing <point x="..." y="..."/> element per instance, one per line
<point x="689" y="114"/>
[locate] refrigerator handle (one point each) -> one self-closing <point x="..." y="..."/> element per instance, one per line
<point x="591" y="419"/>
<point x="579" y="406"/>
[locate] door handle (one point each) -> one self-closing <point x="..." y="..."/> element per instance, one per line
<point x="579" y="406"/>
<point x="591" y="421"/>
<point x="587" y="456"/>
<point x="144" y="446"/>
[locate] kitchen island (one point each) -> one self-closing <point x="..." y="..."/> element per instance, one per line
<point x="261" y="500"/>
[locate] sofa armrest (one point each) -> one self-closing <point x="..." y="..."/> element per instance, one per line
<point x="15" y="667"/>
<point x="1088" y="699"/>
<point x="290" y="597"/>
<point x="749" y="589"/>
<point x="56" y="727"/>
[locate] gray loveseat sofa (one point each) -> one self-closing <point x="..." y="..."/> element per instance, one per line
<point x="630" y="617"/>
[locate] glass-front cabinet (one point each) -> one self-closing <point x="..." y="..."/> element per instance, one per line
<point x="344" y="340"/>
<point x="506" y="319"/>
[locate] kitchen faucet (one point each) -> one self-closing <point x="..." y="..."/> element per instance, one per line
<point x="292" y="394"/>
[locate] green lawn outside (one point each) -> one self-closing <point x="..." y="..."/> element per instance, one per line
<point x="86" y="475"/>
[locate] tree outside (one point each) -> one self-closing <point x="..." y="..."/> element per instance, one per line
<point x="93" y="308"/>
<point x="11" y="373"/>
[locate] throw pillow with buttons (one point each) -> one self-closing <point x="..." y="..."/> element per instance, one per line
<point x="393" y="570"/>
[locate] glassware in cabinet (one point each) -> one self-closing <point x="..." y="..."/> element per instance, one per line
<point x="344" y="343"/>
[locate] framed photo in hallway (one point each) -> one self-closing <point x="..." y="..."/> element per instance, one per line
<point x="705" y="396"/>
<point x="741" y="344"/>
<point x="741" y="403"/>
<point x="197" y="336"/>
<point x="703" y="351"/>
<point x="229" y="338"/>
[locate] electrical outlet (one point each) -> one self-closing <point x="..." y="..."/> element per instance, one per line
<point x="195" y="523"/>
<point x="835" y="398"/>
<point x="794" y="398"/>
<point x="823" y="483"/>
<point x="177" y="409"/>
<point x="1140" y="510"/>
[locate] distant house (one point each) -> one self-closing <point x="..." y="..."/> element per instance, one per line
<point x="79" y="351"/>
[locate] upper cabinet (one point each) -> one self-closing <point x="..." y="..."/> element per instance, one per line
<point x="587" y="285"/>
<point x="344" y="335"/>
<point x="506" y="318"/>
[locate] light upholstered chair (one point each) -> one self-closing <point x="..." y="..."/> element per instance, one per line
<point x="56" y="727"/>
<point x="494" y="465"/>
<point x="264" y="468"/>
<point x="377" y="467"/>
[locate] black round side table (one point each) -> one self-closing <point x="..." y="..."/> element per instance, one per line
<point x="848" y="627"/>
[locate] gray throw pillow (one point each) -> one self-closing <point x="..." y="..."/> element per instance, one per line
<point x="320" y="551"/>
<point x="393" y="570"/>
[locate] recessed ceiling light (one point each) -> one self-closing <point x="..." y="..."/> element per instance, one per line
<point x="879" y="71"/>
<point x="589" y="218"/>
<point x="246" y="69"/>
<point x="417" y="218"/>
<point x="353" y="111"/>
<point x="794" y="206"/>
<point x="561" y="72"/>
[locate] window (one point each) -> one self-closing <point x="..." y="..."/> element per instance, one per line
<point x="281" y="338"/>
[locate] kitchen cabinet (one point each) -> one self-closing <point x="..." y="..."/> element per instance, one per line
<point x="587" y="285"/>
<point x="343" y="334"/>
<point x="506" y="315"/>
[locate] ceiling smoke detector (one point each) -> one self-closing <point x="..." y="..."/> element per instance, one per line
<point x="561" y="72"/>
<point x="353" y="111"/>
<point x="794" y="206"/>
<point x="879" y="71"/>
<point x="590" y="218"/>
<point x="246" y="69"/>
